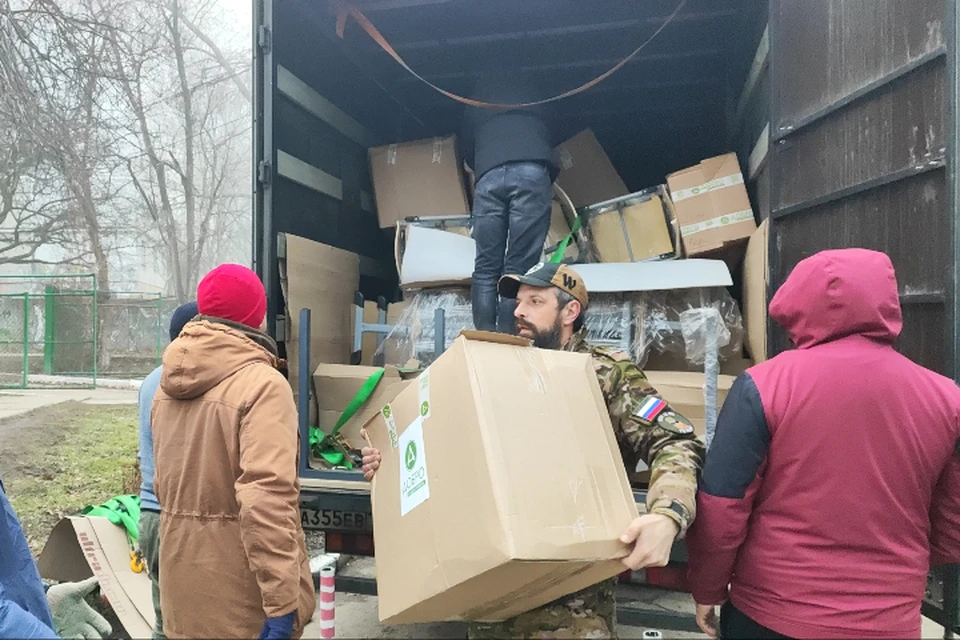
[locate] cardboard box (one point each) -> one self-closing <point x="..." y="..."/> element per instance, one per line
<point x="632" y="228"/>
<point x="586" y="173"/>
<point x="468" y="525"/>
<point x="713" y="209"/>
<point x="337" y="384"/>
<point x="420" y="178"/>
<point x="82" y="546"/>
<point x="684" y="391"/>
<point x="323" y="279"/>
<point x="755" y="292"/>
<point x="433" y="258"/>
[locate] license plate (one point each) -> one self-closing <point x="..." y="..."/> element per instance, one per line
<point x="334" y="519"/>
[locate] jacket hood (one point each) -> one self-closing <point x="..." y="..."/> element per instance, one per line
<point x="838" y="293"/>
<point x="208" y="351"/>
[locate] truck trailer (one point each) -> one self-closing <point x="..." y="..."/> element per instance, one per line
<point x="843" y="115"/>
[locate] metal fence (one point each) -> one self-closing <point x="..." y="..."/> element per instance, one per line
<point x="63" y="331"/>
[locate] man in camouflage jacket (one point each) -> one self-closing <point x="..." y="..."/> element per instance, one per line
<point x="551" y="299"/>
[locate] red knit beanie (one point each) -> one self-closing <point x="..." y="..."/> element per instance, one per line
<point x="233" y="292"/>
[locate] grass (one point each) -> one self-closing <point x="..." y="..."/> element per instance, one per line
<point x="87" y="456"/>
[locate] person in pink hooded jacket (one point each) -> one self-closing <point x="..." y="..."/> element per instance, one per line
<point x="832" y="484"/>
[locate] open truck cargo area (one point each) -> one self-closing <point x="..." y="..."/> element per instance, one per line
<point x="842" y="116"/>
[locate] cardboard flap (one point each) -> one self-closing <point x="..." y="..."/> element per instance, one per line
<point x="495" y="337"/>
<point x="81" y="546"/>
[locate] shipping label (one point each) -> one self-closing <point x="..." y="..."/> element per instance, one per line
<point x="713" y="185"/>
<point x="424" y="383"/>
<point x="387" y="413"/>
<point x="414" y="484"/>
<point x="716" y="223"/>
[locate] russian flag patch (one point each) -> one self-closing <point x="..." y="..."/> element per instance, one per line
<point x="649" y="409"/>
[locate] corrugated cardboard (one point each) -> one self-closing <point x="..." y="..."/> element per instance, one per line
<point x="586" y="173"/>
<point x="337" y="384"/>
<point x="712" y="205"/>
<point x="420" y="178"/>
<point x="487" y="530"/>
<point x="755" y="293"/>
<point x="432" y="257"/>
<point x="631" y="229"/>
<point x="323" y="279"/>
<point x="659" y="361"/>
<point x="82" y="546"/>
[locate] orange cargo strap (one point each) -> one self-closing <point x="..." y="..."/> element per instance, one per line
<point x="347" y="11"/>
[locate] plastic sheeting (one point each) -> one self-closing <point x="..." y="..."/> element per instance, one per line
<point x="652" y="322"/>
<point x="413" y="335"/>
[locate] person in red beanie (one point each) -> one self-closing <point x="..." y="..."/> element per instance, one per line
<point x="226" y="445"/>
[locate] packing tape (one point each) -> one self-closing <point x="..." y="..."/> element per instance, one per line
<point x="566" y="158"/>
<point x="392" y="154"/>
<point x="713" y="185"/>
<point x="437" y="150"/>
<point x="715" y="223"/>
<point x="387" y="413"/>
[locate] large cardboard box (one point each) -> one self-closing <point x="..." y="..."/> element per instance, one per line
<point x="712" y="205"/>
<point x="337" y="384"/>
<point x="420" y="178"/>
<point x="586" y="173"/>
<point x="468" y="524"/>
<point x="324" y="279"/>
<point x="755" y="292"/>
<point x="633" y="228"/>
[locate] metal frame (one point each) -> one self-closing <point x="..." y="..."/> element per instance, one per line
<point x="264" y="160"/>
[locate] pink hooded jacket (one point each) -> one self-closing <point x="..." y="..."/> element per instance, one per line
<point x="833" y="481"/>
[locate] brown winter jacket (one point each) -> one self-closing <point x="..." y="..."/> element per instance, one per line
<point x="226" y="447"/>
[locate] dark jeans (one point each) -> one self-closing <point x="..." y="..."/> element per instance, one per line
<point x="511" y="218"/>
<point x="736" y="625"/>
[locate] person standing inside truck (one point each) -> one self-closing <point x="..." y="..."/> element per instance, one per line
<point x="149" y="525"/>
<point x="551" y="300"/>
<point x="832" y="484"/>
<point x="511" y="153"/>
<point x="232" y="551"/>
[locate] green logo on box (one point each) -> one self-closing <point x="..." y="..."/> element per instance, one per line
<point x="724" y="220"/>
<point x="410" y="455"/>
<point x="424" y="408"/>
<point x="386" y="411"/>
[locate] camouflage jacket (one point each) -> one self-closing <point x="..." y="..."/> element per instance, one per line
<point x="648" y="429"/>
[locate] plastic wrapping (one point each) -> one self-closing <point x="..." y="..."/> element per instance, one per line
<point x="659" y="322"/>
<point x="704" y="334"/>
<point x="652" y="322"/>
<point x="413" y="337"/>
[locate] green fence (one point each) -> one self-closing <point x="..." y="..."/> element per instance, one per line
<point x="63" y="331"/>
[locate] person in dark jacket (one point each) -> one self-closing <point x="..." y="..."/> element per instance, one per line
<point x="832" y="484"/>
<point x="511" y="153"/>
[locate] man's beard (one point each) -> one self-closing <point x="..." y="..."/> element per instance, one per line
<point x="549" y="339"/>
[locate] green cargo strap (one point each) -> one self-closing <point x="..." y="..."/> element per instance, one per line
<point x="317" y="436"/>
<point x="562" y="247"/>
<point x="123" y="511"/>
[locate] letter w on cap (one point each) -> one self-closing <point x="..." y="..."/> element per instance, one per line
<point x="569" y="282"/>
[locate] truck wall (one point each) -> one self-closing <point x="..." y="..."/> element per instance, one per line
<point x="859" y="151"/>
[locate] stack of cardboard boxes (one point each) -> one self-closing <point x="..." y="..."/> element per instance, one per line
<point x="460" y="531"/>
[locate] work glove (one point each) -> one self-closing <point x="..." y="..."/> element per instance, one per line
<point x="72" y="616"/>
<point x="276" y="628"/>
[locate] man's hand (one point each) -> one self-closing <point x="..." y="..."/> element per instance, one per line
<point x="72" y="616"/>
<point x="371" y="462"/>
<point x="653" y="535"/>
<point x="707" y="619"/>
